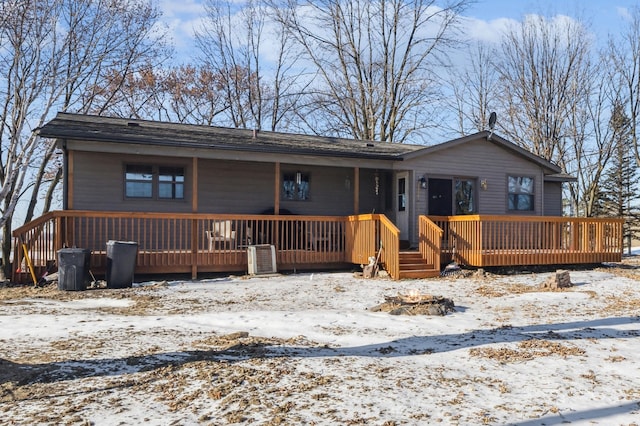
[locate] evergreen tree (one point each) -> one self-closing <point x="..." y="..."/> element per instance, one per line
<point x="619" y="195"/>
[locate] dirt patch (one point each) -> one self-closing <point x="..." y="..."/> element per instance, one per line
<point x="527" y="350"/>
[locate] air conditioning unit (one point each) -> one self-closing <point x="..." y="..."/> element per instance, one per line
<point x="262" y="259"/>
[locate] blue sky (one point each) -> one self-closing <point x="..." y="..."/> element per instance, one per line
<point x="603" y="16"/>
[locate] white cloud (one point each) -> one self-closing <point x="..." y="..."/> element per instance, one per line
<point x="624" y="13"/>
<point x="486" y="31"/>
<point x="183" y="19"/>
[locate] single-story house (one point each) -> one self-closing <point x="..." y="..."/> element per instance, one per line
<point x="195" y="197"/>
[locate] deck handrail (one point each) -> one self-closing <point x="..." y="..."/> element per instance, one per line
<point x="365" y="235"/>
<point x="390" y="246"/>
<point x="178" y="242"/>
<point x="493" y="240"/>
<point x="430" y="241"/>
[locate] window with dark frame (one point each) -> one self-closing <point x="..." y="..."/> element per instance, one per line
<point x="171" y="183"/>
<point x="465" y="195"/>
<point x="521" y="193"/>
<point x="138" y="181"/>
<point x="295" y="186"/>
<point x="148" y="181"/>
<point x="402" y="194"/>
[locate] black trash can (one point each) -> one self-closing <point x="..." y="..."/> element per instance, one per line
<point x="121" y="263"/>
<point x="73" y="268"/>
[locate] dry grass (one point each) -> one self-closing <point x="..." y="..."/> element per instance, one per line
<point x="240" y="374"/>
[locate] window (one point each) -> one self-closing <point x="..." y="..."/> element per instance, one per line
<point x="171" y="183"/>
<point x="402" y="194"/>
<point x="520" y="193"/>
<point x="465" y="193"/>
<point x="147" y="181"/>
<point x="139" y="181"/>
<point x="295" y="186"/>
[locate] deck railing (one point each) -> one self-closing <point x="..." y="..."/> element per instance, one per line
<point x="430" y="241"/>
<point x="478" y="240"/>
<point x="390" y="247"/>
<point x="193" y="243"/>
<point x="366" y="234"/>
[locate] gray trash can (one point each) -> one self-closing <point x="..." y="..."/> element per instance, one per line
<point x="73" y="268"/>
<point x="121" y="263"/>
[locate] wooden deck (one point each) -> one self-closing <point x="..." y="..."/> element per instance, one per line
<point x="182" y="242"/>
<point x="481" y="241"/>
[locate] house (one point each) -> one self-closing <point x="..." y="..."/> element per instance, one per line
<point x="195" y="197"/>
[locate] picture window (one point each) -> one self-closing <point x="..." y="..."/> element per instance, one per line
<point x="295" y="186"/>
<point x="148" y="181"/>
<point x="465" y="195"/>
<point x="521" y="193"/>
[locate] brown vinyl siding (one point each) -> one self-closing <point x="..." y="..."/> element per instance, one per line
<point x="99" y="183"/>
<point x="553" y="198"/>
<point x="224" y="186"/>
<point x="328" y="192"/>
<point x="371" y="202"/>
<point x="227" y="186"/>
<point x="481" y="160"/>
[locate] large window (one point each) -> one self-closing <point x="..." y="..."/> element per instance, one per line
<point x="521" y="193"/>
<point x="148" y="181"/>
<point x="465" y="195"/>
<point x="295" y="186"/>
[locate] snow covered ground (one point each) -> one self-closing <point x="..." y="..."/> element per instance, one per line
<point x="307" y="349"/>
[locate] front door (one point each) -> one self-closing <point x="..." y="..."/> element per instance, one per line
<point x="402" y="204"/>
<point x="440" y="197"/>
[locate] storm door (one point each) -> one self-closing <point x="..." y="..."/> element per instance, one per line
<point x="402" y="204"/>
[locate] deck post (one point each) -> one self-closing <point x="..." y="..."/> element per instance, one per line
<point x="194" y="249"/>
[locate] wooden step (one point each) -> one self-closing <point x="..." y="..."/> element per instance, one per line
<point x="413" y="266"/>
<point x="421" y="273"/>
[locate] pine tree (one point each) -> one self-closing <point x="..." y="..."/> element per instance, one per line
<point x="618" y="195"/>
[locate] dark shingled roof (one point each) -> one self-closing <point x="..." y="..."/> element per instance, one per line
<point x="129" y="131"/>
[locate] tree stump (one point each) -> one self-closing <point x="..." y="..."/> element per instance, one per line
<point x="415" y="304"/>
<point x="560" y="280"/>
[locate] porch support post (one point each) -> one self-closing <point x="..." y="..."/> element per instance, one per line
<point x="194" y="185"/>
<point x="194" y="222"/>
<point x="69" y="182"/>
<point x="276" y="191"/>
<point x="356" y="190"/>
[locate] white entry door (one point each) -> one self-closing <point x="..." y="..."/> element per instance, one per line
<point x="402" y="204"/>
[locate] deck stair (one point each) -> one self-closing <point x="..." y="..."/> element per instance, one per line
<point x="413" y="266"/>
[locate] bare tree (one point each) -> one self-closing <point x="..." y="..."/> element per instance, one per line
<point x="375" y="62"/>
<point x="53" y="50"/>
<point x="592" y="142"/>
<point x="474" y="88"/>
<point x="256" y="91"/>
<point x="134" y="95"/>
<point x="544" y="71"/>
